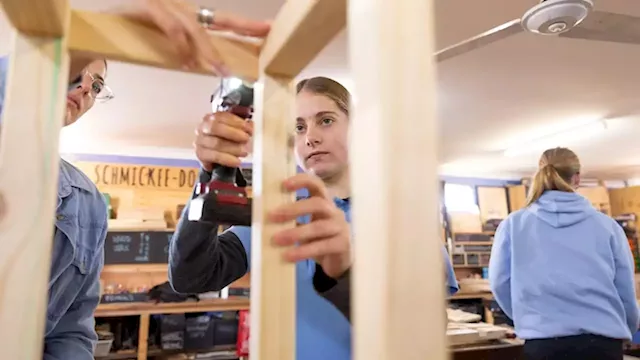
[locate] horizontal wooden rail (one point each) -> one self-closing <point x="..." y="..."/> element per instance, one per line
<point x="120" y="38"/>
<point x="128" y="309"/>
<point x="42" y="18"/>
<point x="301" y="30"/>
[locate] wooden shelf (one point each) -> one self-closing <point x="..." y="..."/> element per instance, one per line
<point x="135" y="268"/>
<point x="130" y="309"/>
<point x="145" y="309"/>
<point x="463" y="296"/>
<point x="133" y="354"/>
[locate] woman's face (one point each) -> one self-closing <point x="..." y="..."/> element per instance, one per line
<point x="82" y="97"/>
<point x="321" y="135"/>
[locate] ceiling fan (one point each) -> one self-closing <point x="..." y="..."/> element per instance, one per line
<point x="564" y="18"/>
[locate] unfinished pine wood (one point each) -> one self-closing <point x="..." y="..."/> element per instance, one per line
<point x="120" y="38"/>
<point x="143" y="337"/>
<point x="492" y="202"/>
<point x="399" y="296"/>
<point x="45" y="18"/>
<point x="598" y="196"/>
<point x="625" y="201"/>
<point x="32" y="118"/>
<point x="517" y="197"/>
<point x="273" y="306"/>
<point x="465" y="222"/>
<point x="301" y="30"/>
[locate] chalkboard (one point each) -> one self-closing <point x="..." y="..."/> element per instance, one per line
<point x="137" y="247"/>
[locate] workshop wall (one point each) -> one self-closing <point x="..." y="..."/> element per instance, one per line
<point x="140" y="188"/>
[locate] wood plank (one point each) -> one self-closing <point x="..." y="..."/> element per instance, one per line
<point x="44" y="18"/>
<point x="33" y="113"/>
<point x="273" y="307"/>
<point x="300" y="31"/>
<point x="598" y="196"/>
<point x="517" y="197"/>
<point x="128" y="309"/>
<point x="492" y="202"/>
<point x="119" y="38"/>
<point x="143" y="337"/>
<point x="396" y="221"/>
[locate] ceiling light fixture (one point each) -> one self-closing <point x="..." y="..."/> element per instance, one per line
<point x="566" y="137"/>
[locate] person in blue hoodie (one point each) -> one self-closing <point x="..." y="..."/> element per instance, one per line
<point x="563" y="271"/>
<point x="200" y="260"/>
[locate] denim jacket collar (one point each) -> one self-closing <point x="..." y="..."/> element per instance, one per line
<point x="68" y="179"/>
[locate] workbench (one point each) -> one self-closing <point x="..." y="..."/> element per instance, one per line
<point x="503" y="349"/>
<point x="146" y="309"/>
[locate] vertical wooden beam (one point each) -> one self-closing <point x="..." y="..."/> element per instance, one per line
<point x="31" y="120"/>
<point x="273" y="307"/>
<point x="399" y="293"/>
<point x="301" y="30"/>
<point x="143" y="336"/>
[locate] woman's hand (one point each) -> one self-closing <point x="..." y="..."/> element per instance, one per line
<point x="222" y="138"/>
<point x="326" y="238"/>
<point x="177" y="19"/>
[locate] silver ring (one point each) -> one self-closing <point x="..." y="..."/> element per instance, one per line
<point x="206" y="17"/>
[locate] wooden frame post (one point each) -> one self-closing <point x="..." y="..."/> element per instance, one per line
<point x="33" y="113"/>
<point x="301" y="30"/>
<point x="399" y="292"/>
<point x="273" y="290"/>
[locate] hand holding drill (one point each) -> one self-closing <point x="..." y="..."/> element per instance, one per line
<point x="222" y="139"/>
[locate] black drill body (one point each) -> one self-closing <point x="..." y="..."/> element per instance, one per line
<point x="223" y="200"/>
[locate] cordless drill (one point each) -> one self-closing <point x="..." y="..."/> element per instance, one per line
<point x="223" y="200"/>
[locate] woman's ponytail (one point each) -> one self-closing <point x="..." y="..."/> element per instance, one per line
<point x="557" y="167"/>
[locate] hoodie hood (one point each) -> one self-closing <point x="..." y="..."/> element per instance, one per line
<point x="561" y="209"/>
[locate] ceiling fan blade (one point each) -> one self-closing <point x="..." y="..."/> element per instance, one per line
<point x="498" y="33"/>
<point x="606" y="26"/>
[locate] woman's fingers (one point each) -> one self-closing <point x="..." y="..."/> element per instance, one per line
<point x="161" y="14"/>
<point x="221" y="138"/>
<point x="312" y="183"/>
<point x="224" y="128"/>
<point x="210" y="156"/>
<point x="201" y="46"/>
<point x="316" y="230"/>
<point x="240" y="25"/>
<point x="220" y="145"/>
<point x="315" y="249"/>
<point x="315" y="206"/>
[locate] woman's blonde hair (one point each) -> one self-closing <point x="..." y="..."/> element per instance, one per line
<point x="555" y="169"/>
<point x="327" y="87"/>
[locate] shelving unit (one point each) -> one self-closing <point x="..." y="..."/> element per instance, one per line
<point x="142" y="277"/>
<point x="145" y="310"/>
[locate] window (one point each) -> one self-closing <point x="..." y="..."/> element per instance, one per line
<point x="460" y="198"/>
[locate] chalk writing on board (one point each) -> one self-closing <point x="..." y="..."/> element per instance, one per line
<point x="137" y="247"/>
<point x="143" y="248"/>
<point x="121" y="243"/>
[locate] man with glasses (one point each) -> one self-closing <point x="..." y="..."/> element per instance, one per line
<point x="77" y="256"/>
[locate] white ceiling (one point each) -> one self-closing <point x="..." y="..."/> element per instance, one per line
<point x="506" y="93"/>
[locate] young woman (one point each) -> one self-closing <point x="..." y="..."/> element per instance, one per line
<point x="563" y="271"/>
<point x="201" y="261"/>
<point x="81" y="216"/>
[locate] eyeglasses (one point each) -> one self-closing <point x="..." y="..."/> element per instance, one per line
<point x="99" y="90"/>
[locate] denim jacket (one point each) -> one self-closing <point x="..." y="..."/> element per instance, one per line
<point x="77" y="260"/>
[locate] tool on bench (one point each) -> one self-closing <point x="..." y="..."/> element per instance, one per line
<point x="223" y="200"/>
